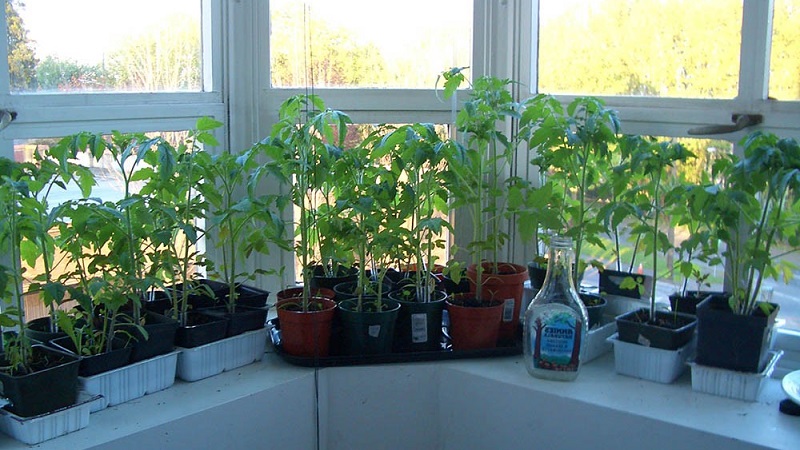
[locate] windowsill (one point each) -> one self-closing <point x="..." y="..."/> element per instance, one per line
<point x="281" y="396"/>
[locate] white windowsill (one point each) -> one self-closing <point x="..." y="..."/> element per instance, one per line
<point x="281" y="397"/>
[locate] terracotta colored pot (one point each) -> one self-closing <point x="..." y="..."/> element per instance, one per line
<point x="473" y="327"/>
<point x="507" y="287"/>
<point x="297" y="292"/>
<point x="306" y="334"/>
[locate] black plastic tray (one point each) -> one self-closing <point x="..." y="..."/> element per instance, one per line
<point x="445" y="354"/>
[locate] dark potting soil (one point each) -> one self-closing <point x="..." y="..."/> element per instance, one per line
<point x="40" y="360"/>
<point x="671" y="323"/>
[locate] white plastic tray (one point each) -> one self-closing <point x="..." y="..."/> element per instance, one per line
<point x="650" y="363"/>
<point x="37" y="429"/>
<point x="730" y="383"/>
<point x="597" y="343"/>
<point x="211" y="359"/>
<point x="132" y="381"/>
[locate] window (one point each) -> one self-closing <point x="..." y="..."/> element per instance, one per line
<point x="63" y="51"/>
<point x="674" y="67"/>
<point x="361" y="43"/>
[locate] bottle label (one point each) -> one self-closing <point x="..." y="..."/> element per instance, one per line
<point x="556" y="341"/>
<point x="508" y="310"/>
<point x="419" y="328"/>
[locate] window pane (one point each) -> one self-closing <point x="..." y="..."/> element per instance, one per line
<point x="100" y="45"/>
<point x="784" y="77"/>
<point x="669" y="48"/>
<point x="361" y="43"/>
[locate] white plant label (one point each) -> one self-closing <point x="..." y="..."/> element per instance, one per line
<point x="508" y="310"/>
<point x="643" y="341"/>
<point x="419" y="328"/>
<point x="374" y="330"/>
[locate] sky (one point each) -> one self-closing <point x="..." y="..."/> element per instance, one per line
<point x="85" y="30"/>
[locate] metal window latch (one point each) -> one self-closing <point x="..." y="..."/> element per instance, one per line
<point x="6" y="117"/>
<point x="740" y="122"/>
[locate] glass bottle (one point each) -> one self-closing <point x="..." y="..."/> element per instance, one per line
<point x="554" y="333"/>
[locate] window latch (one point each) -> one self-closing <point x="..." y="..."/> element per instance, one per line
<point x="740" y="122"/>
<point x="6" y="117"/>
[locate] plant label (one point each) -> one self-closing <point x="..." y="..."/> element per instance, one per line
<point x="374" y="330"/>
<point x="508" y="310"/>
<point x="419" y="328"/>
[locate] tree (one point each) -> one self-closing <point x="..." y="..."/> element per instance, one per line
<point x="164" y="57"/>
<point x="54" y="74"/>
<point x="21" y="58"/>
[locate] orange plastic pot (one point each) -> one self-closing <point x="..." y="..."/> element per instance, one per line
<point x="505" y="285"/>
<point x="307" y="333"/>
<point x="474" y="327"/>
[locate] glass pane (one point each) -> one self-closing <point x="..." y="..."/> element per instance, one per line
<point x="784" y="77"/>
<point x="362" y="43"/>
<point x="100" y="45"/>
<point x="669" y="48"/>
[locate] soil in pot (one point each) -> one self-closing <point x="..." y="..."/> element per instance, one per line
<point x="369" y="331"/>
<point x="308" y="333"/>
<point x="297" y="292"/>
<point x="51" y="384"/>
<point x="732" y="341"/>
<point x="473" y="324"/>
<point x="419" y="324"/>
<point x="200" y="329"/>
<point x="120" y="355"/>
<point x="507" y="285"/>
<point x="595" y="307"/>
<point x="670" y="330"/>
<point x="245" y="318"/>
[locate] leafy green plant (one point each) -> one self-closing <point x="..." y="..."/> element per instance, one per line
<point x="756" y="213"/>
<point x="476" y="174"/>
<point x="574" y="150"/>
<point x="243" y="219"/>
<point x="367" y="192"/>
<point x="653" y="197"/>
<point x="304" y="144"/>
<point x="417" y="151"/>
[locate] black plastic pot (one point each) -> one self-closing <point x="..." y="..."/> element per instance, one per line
<point x="119" y="356"/>
<point x="160" y="338"/>
<point x="204" y="293"/>
<point x="449" y="286"/>
<point x="688" y="303"/>
<point x="367" y="332"/>
<point x="610" y="281"/>
<point x="595" y="307"/>
<point x="732" y="341"/>
<point x="158" y="302"/>
<point x="46" y="389"/>
<point x="419" y="324"/>
<point x="246" y="318"/>
<point x="673" y="330"/>
<point x="343" y="275"/>
<point x="39" y="330"/>
<point x="200" y="329"/>
<point x="536" y="273"/>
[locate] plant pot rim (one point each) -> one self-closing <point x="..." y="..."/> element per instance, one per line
<point x="393" y="305"/>
<point x="329" y="304"/>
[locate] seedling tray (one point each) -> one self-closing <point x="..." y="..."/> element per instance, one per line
<point x="446" y="353"/>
